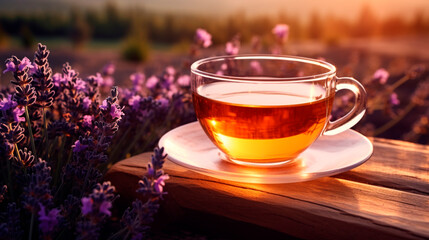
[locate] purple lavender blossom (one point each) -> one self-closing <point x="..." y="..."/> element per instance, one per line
<point x="104" y="105"/>
<point x="25" y="94"/>
<point x="18" y="114"/>
<point x="87" y="121"/>
<point x="99" y="201"/>
<point x="168" y="77"/>
<point x="152" y="82"/>
<point x="104" y="208"/>
<point x="109" y="69"/>
<point x="281" y="31"/>
<point x="163" y="102"/>
<point x="9" y="104"/>
<point x="256" y="67"/>
<point x="137" y="79"/>
<point x="48" y="221"/>
<point x="115" y="110"/>
<point x="33" y="70"/>
<point x="86" y="205"/>
<point x="134" y="102"/>
<point x="381" y="75"/>
<point x="42" y="77"/>
<point x="80" y="85"/>
<point x="184" y="80"/>
<point x="172" y="90"/>
<point x="203" y="38"/>
<point x="86" y="103"/>
<point x="25" y="62"/>
<point x="160" y="183"/>
<point x="394" y="99"/>
<point x="38" y="191"/>
<point x="78" y="146"/>
<point x="108" y="82"/>
<point x="99" y="79"/>
<point x="231" y="48"/>
<point x="57" y="78"/>
<point x="10" y="67"/>
<point x="170" y="70"/>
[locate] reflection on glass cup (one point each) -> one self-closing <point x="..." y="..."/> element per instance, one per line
<point x="264" y="110"/>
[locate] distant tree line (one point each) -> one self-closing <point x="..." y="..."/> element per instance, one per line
<point x="113" y="23"/>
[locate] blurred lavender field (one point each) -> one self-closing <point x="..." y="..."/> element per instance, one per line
<point x="359" y="38"/>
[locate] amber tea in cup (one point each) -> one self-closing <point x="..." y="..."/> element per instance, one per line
<point x="264" y="110"/>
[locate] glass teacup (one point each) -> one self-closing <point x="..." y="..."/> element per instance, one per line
<point x="264" y="110"/>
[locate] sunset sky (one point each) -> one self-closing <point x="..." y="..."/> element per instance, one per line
<point x="302" y="8"/>
<point x="341" y="8"/>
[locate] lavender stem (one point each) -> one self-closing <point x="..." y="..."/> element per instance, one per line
<point x="30" y="131"/>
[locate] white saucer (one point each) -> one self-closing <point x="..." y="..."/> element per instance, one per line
<point x="190" y="147"/>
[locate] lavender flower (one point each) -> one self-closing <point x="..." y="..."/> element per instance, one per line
<point x="154" y="182"/>
<point x="172" y="90"/>
<point x="11" y="112"/>
<point x="394" y="99"/>
<point x="80" y="85"/>
<point x="160" y="183"/>
<point x="10" y="67"/>
<point x="107" y="76"/>
<point x="381" y="75"/>
<point x="136" y="218"/>
<point x="134" y="102"/>
<point x="115" y="110"/>
<point x="231" y="48"/>
<point x="25" y="63"/>
<point x="38" y="191"/>
<point x="42" y="77"/>
<point x="48" y="220"/>
<point x="170" y="71"/>
<point x="11" y="135"/>
<point x="88" y="207"/>
<point x="58" y="79"/>
<point x="25" y="94"/>
<point x="109" y="69"/>
<point x="152" y="82"/>
<point x="86" y="103"/>
<point x="256" y="67"/>
<point x="281" y="31"/>
<point x="87" y="121"/>
<point x="203" y="38"/>
<point x="95" y="209"/>
<point x="26" y="158"/>
<point x="163" y="102"/>
<point x="78" y="146"/>
<point x="137" y="79"/>
<point x="184" y="81"/>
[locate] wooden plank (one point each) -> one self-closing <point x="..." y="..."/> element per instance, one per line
<point x="395" y="164"/>
<point x="387" y="197"/>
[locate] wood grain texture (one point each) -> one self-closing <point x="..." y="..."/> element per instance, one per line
<point x="385" y="198"/>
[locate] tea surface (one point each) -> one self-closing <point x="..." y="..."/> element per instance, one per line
<point x="262" y="122"/>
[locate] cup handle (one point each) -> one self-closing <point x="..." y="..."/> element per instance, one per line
<point x="358" y="110"/>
